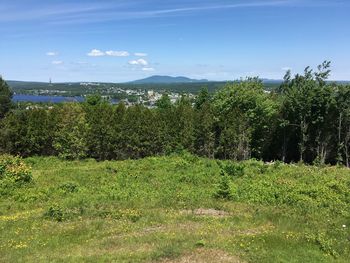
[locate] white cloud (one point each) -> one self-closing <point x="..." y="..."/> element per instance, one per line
<point x="85" y="13"/>
<point x="57" y="62"/>
<point x="140" y="61"/>
<point x="117" y="53"/>
<point x="80" y="63"/>
<point x="138" y="54"/>
<point x="148" y="69"/>
<point x="51" y="53"/>
<point x="286" y="68"/>
<point x="96" y="53"/>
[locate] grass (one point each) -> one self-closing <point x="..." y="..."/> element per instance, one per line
<point x="164" y="209"/>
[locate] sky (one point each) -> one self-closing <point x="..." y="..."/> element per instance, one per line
<point x="124" y="40"/>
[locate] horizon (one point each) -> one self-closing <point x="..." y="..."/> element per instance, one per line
<point x="175" y="76"/>
<point x="122" y="41"/>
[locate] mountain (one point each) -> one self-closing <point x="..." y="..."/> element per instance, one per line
<point x="167" y="80"/>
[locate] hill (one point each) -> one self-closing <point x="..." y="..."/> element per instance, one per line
<point x="167" y="80"/>
<point x="175" y="209"/>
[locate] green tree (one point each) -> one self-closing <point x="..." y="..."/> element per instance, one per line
<point x="205" y="130"/>
<point x="307" y="107"/>
<point x="342" y="102"/>
<point x="99" y="118"/>
<point x="164" y="102"/>
<point x="40" y="127"/>
<point x="202" y="98"/>
<point x="72" y="130"/>
<point x="244" y="106"/>
<point x="13" y="133"/>
<point x="93" y="100"/>
<point x="184" y="118"/>
<point x="118" y="142"/>
<point x="5" y="98"/>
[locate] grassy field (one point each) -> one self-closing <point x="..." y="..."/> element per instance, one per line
<point x="176" y="209"/>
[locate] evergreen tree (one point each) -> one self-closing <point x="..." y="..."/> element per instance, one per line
<point x="164" y="102"/>
<point x="203" y="97"/>
<point x="184" y="116"/>
<point x="204" y="130"/>
<point x="99" y="118"/>
<point x="306" y="110"/>
<point x="118" y="142"/>
<point x="72" y="130"/>
<point x="5" y="98"/>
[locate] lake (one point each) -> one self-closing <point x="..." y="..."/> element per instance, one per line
<point x="41" y="98"/>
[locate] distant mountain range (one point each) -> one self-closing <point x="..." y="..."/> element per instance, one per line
<point x="167" y="80"/>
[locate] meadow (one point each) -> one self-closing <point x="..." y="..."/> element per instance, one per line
<point x="177" y="208"/>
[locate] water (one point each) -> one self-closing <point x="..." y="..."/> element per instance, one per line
<point x="46" y="99"/>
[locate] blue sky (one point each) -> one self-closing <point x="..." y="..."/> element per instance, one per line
<point x="122" y="40"/>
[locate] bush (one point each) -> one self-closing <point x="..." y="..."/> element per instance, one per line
<point x="14" y="170"/>
<point x="69" y="187"/>
<point x="306" y="188"/>
<point x="234" y="169"/>
<point x="223" y="190"/>
<point x="55" y="212"/>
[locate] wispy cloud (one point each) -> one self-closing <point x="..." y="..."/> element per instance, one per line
<point x="99" y="12"/>
<point x="141" y="62"/>
<point x="51" y="53"/>
<point x="111" y="53"/>
<point x="23" y="12"/>
<point x="117" y="53"/>
<point x="213" y="7"/>
<point x="140" y="54"/>
<point x="96" y="53"/>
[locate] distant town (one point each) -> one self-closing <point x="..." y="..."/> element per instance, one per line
<point x="145" y="92"/>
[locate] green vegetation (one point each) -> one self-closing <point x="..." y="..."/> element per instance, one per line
<point x="178" y="192"/>
<point x="306" y="119"/>
<point x="75" y="89"/>
<point x="173" y="209"/>
<point x="5" y="98"/>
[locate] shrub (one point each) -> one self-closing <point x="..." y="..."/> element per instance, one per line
<point x="234" y="169"/>
<point x="69" y="187"/>
<point x="306" y="188"/>
<point x="55" y="212"/>
<point x="223" y="190"/>
<point x="14" y="170"/>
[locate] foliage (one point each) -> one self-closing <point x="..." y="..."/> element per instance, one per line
<point x="166" y="207"/>
<point x="5" y="98"/>
<point x="307" y="119"/>
<point x="14" y="170"/>
<point x="223" y="188"/>
<point x="306" y="188"/>
<point x="234" y="169"/>
<point x="246" y="116"/>
<point x="69" y="187"/>
<point x="71" y="135"/>
<point x="55" y="212"/>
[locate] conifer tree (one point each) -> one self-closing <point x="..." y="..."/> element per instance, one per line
<point x="5" y="98"/>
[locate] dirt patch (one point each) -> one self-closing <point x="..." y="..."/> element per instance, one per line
<point x="206" y="212"/>
<point x="205" y="256"/>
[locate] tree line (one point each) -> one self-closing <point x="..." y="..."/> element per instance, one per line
<point x="306" y="119"/>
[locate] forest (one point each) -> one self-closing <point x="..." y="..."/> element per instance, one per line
<point x="306" y="119"/>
